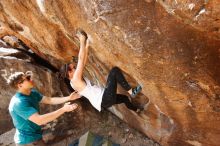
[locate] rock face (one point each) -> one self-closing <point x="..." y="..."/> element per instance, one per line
<point x="170" y="47"/>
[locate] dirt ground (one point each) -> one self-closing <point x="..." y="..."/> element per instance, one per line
<point x="109" y="126"/>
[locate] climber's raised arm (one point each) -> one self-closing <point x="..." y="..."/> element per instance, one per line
<point x="83" y="53"/>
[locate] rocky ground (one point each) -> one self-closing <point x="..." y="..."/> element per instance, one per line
<point x="104" y="124"/>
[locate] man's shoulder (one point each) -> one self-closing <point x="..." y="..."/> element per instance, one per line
<point x="15" y="101"/>
<point x="18" y="99"/>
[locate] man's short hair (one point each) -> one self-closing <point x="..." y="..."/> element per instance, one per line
<point x="14" y="79"/>
<point x="64" y="71"/>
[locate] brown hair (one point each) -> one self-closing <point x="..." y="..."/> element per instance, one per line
<point x="64" y="71"/>
<point x="14" y="79"/>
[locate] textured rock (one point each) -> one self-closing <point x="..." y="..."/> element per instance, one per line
<point x="171" y="47"/>
<point x="202" y="15"/>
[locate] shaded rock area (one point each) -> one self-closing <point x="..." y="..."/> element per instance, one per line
<point x="104" y="124"/>
<point x="170" y="47"/>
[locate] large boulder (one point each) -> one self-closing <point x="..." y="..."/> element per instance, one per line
<point x="170" y="47"/>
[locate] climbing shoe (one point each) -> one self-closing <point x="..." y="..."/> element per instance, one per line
<point x="136" y="90"/>
<point x="143" y="106"/>
<point x="140" y="108"/>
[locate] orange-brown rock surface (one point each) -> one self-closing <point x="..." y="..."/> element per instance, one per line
<point x="170" y="47"/>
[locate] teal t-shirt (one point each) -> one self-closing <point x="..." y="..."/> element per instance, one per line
<point x="21" y="107"/>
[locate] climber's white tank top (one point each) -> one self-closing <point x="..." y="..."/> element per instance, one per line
<point x="93" y="93"/>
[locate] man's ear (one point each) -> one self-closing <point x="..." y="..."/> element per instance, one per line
<point x="19" y="86"/>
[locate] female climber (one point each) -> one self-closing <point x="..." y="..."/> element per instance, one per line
<point x="98" y="96"/>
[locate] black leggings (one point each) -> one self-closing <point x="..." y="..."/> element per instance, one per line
<point x="110" y="97"/>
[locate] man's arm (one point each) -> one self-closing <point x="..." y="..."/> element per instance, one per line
<point x="59" y="100"/>
<point x="46" y="118"/>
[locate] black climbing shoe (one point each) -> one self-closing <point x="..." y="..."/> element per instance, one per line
<point x="136" y="90"/>
<point x="142" y="107"/>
